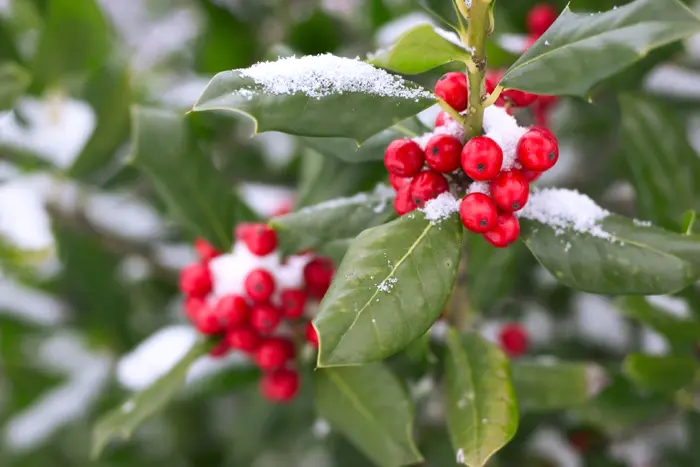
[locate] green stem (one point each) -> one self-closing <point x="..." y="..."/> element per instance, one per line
<point x="479" y="25"/>
<point x="451" y="112"/>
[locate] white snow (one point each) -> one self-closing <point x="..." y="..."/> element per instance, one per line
<point x="23" y="219"/>
<point x="382" y="192"/>
<point x="30" y="305"/>
<point x="480" y="187"/>
<point x="393" y="30"/>
<point x="321" y="428"/>
<point x="277" y="148"/>
<point x="450" y="127"/>
<point x="672" y="305"/>
<point x="182" y="92"/>
<point x="438" y="209"/>
<point x="550" y="444"/>
<point x="673" y="80"/>
<point x="124" y="215"/>
<point x="452" y="37"/>
<point x="564" y="209"/>
<point x="653" y="342"/>
<point x="265" y="200"/>
<point x="504" y="130"/>
<point x="323" y="75"/>
<point x="596" y="320"/>
<point x="513" y="43"/>
<point x="175" y="255"/>
<point x="56" y="128"/>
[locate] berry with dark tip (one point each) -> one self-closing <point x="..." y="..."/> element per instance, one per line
<point x="506" y="231"/>
<point x="259" y="285"/>
<point x="442" y="153"/>
<point x="538" y="150"/>
<point x="482" y="158"/>
<point x="293" y="302"/>
<point x="452" y="88"/>
<point x="403" y="203"/>
<point x="426" y="186"/>
<point x="510" y="190"/>
<point x="265" y="318"/>
<point x="233" y="310"/>
<point x="403" y="157"/>
<point x="260" y="239"/>
<point x="478" y="212"/>
<point x="273" y="353"/>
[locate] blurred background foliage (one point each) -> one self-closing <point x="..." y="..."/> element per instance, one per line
<point x="89" y="254"/>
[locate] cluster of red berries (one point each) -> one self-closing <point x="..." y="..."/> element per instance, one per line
<point x="250" y="322"/>
<point x="505" y="190"/>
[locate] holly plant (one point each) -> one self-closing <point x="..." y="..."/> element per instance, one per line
<point x="489" y="256"/>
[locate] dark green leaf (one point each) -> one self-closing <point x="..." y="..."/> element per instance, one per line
<point x="661" y="373"/>
<point x="185" y="178"/>
<point x="121" y="422"/>
<point x="390" y="288"/>
<point x="664" y="168"/>
<point x="544" y="386"/>
<point x="75" y="39"/>
<point x="638" y="260"/>
<point x="331" y="113"/>
<point x="582" y="49"/>
<point x="346" y="149"/>
<point x="688" y="222"/>
<point x="109" y="93"/>
<point x="674" y="327"/>
<point x="13" y="82"/>
<point x="335" y="250"/>
<point x="368" y="405"/>
<point x="442" y="10"/>
<point x="491" y="273"/>
<point x="481" y="409"/>
<point x="334" y="219"/>
<point x="419" y="50"/>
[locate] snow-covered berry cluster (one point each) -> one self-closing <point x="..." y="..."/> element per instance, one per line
<point x="494" y="169"/>
<point x="255" y="302"/>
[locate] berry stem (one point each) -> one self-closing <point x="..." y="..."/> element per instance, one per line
<point x="479" y="25"/>
<point x="452" y="112"/>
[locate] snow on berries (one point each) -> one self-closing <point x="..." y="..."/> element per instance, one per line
<point x="252" y="301"/>
<point x="486" y="178"/>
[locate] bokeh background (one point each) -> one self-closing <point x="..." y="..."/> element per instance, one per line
<point x="89" y="309"/>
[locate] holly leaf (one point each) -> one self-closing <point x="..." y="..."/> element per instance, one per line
<point x="314" y="96"/>
<point x="663" y="167"/>
<point x="667" y="373"/>
<point x="389" y="289"/>
<point x="636" y="260"/>
<point x="347" y="150"/>
<point x="547" y="386"/>
<point x="582" y="49"/>
<point x="195" y="192"/>
<point x="14" y="80"/>
<point x="334" y="219"/>
<point x="677" y="329"/>
<point x="369" y="405"/>
<point x="481" y="409"/>
<point x="121" y="422"/>
<point x="421" y="49"/>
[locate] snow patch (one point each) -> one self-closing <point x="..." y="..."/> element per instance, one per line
<point x="393" y="30"/>
<point x="29" y="305"/>
<point x="318" y="76"/>
<point x="504" y="130"/>
<point x="453" y="38"/>
<point x="596" y="320"/>
<point x="673" y="80"/>
<point x="265" y="200"/>
<point x="438" y="209"/>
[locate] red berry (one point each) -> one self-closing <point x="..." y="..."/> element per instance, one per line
<point x="311" y="335"/>
<point x="403" y="157"/>
<point x="284" y="209"/>
<point x="208" y="321"/>
<point x="280" y="385"/>
<point x="426" y="186"/>
<point x="510" y="190"/>
<point x="506" y="231"/>
<point x="244" y="339"/>
<point x="195" y="280"/>
<point x="193" y="305"/>
<point x="293" y="303"/>
<point x="580" y="440"/>
<point x="242" y="229"/>
<point x="442" y="153"/>
<point x="514" y="339"/>
<point x="265" y="318"/>
<point x="478" y="212"/>
<point x="519" y="98"/>
<point x="538" y="150"/>
<point x="260" y="239"/>
<point x="259" y="285"/>
<point x="273" y="353"/>
<point x="397" y="181"/>
<point x="531" y="175"/>
<point x="233" y="310"/>
<point x="318" y="274"/>
<point x="220" y="349"/>
<point x="482" y="158"/>
<point x="540" y="18"/>
<point x="452" y="88"/>
<point x="531" y="41"/>
<point x="205" y="250"/>
<point x="442" y="119"/>
<point x="403" y="203"/>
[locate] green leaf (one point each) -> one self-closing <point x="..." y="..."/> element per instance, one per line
<point x="369" y="405"/>
<point x="442" y="10"/>
<point x="419" y="50"/>
<point x="664" y="168"/>
<point x="334" y="219"/>
<point x="390" y="288"/>
<point x="330" y="113"/>
<point x="544" y="386"/>
<point x="195" y="192"/>
<point x="481" y="409"/>
<point x="335" y="250"/>
<point x="582" y="49"/>
<point x="638" y="260"/>
<point x="121" y="422"/>
<point x="346" y="149"/>
<point x="677" y="329"/>
<point x="492" y="272"/>
<point x="76" y="38"/>
<point x="109" y="93"/>
<point x="661" y="373"/>
<point x="688" y="221"/>
<point x="13" y="82"/>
